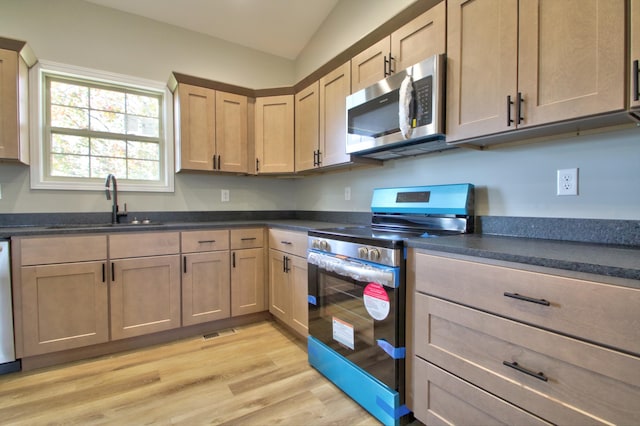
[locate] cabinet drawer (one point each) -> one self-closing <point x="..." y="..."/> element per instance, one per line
<point x="205" y="240"/>
<point x="443" y="398"/>
<point x="602" y="313"/>
<point x="566" y="381"/>
<point x="293" y="242"/>
<point x="49" y="250"/>
<point x="144" y="244"/>
<point x="247" y="238"/>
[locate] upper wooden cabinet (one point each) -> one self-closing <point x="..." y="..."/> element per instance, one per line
<point x="307" y="124"/>
<point x="334" y="89"/>
<point x="211" y="129"/>
<point x="274" y="131"/>
<point x="515" y="64"/>
<point x="14" y="94"/>
<point x="635" y="54"/>
<point x="417" y="40"/>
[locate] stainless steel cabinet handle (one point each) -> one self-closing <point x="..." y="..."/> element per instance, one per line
<point x="515" y="366"/>
<point x="527" y="298"/>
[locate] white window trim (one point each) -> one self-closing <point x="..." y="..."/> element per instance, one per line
<point x="37" y="117"/>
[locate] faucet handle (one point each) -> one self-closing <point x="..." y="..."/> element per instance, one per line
<point x="124" y="212"/>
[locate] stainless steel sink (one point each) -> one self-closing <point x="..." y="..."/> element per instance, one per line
<point x="100" y="225"/>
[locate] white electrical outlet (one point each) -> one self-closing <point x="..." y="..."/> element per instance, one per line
<point x="224" y="195"/>
<point x="567" y="182"/>
<point x="0" y="192"/>
<point x="347" y="193"/>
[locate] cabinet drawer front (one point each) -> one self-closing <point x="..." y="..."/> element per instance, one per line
<point x="144" y="244"/>
<point x="205" y="240"/>
<point x="293" y="242"/>
<point x="561" y="379"/>
<point x="442" y="398"/>
<point x="49" y="250"/>
<point x="602" y="313"/>
<point x="247" y="238"/>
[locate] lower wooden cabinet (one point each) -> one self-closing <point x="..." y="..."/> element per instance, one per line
<point x="247" y="282"/>
<point x="510" y="339"/>
<point x="145" y="295"/>
<point x="205" y="287"/>
<point x="64" y="306"/>
<point x="288" y="279"/>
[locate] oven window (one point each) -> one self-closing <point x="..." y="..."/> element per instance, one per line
<point x="375" y="118"/>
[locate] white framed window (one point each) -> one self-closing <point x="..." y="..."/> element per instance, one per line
<point x="86" y="124"/>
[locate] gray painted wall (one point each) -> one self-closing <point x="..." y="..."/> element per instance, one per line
<point x="516" y="180"/>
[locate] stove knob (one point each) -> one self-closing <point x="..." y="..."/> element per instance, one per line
<point x="363" y="253"/>
<point x="324" y="246"/>
<point x="374" y="255"/>
<point x="315" y="244"/>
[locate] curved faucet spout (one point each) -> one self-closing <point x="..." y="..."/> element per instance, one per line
<point x="114" y="207"/>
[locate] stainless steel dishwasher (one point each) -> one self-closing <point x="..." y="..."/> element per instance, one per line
<point x="8" y="361"/>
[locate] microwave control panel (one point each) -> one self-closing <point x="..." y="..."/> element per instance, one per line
<point x="423" y="95"/>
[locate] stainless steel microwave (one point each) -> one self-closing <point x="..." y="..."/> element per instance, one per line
<point x="400" y="115"/>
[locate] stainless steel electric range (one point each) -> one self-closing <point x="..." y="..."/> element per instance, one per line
<point x="357" y="291"/>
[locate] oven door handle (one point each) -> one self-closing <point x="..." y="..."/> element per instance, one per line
<point x="360" y="271"/>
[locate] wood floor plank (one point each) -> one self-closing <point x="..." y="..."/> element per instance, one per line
<point x="254" y="375"/>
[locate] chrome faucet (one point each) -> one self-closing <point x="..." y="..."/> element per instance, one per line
<point x="115" y="214"/>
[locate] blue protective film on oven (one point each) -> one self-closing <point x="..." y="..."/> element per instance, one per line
<point x="396" y="412"/>
<point x="373" y="395"/>
<point x="312" y="299"/>
<point x="393" y="352"/>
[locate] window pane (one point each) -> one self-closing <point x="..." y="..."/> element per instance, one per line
<point x="144" y="170"/>
<point x="69" y="94"/>
<point x="102" y="166"/>
<point x="69" y="165"/>
<point x="68" y="144"/>
<point x="146" y="106"/>
<point x="109" y="148"/>
<point x="107" y="100"/>
<point x="143" y="126"/>
<point x="143" y="150"/>
<point x="104" y="121"/>
<point x="69" y="118"/>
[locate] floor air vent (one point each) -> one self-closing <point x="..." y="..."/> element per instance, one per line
<point x="220" y="333"/>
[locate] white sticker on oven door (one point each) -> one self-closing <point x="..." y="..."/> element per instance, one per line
<point x="343" y="333"/>
<point x="376" y="301"/>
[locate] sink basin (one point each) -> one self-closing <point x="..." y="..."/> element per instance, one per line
<point x="99" y="225"/>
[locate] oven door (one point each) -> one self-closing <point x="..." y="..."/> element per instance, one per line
<point x="356" y="309"/>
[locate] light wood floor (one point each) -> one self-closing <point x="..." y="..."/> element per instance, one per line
<point x="258" y="375"/>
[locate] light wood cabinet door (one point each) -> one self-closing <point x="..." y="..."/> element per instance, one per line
<point x="371" y="65"/>
<point x="279" y="291"/>
<point x="571" y="59"/>
<point x="205" y="287"/>
<point x="195" y="127"/>
<point x="307" y="127"/>
<point x="247" y="282"/>
<point x="419" y="39"/>
<point x="634" y="10"/>
<point x="334" y="89"/>
<point x="274" y="130"/>
<point x="64" y="306"/>
<point x="482" y="47"/>
<point x="145" y="295"/>
<point x="9" y="136"/>
<point x="298" y="280"/>
<point x="231" y="132"/>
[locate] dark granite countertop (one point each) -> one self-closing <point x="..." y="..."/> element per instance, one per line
<point x="619" y="262"/>
<point x="614" y="261"/>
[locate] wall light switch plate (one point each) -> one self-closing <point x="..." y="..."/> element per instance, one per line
<point x="224" y="195"/>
